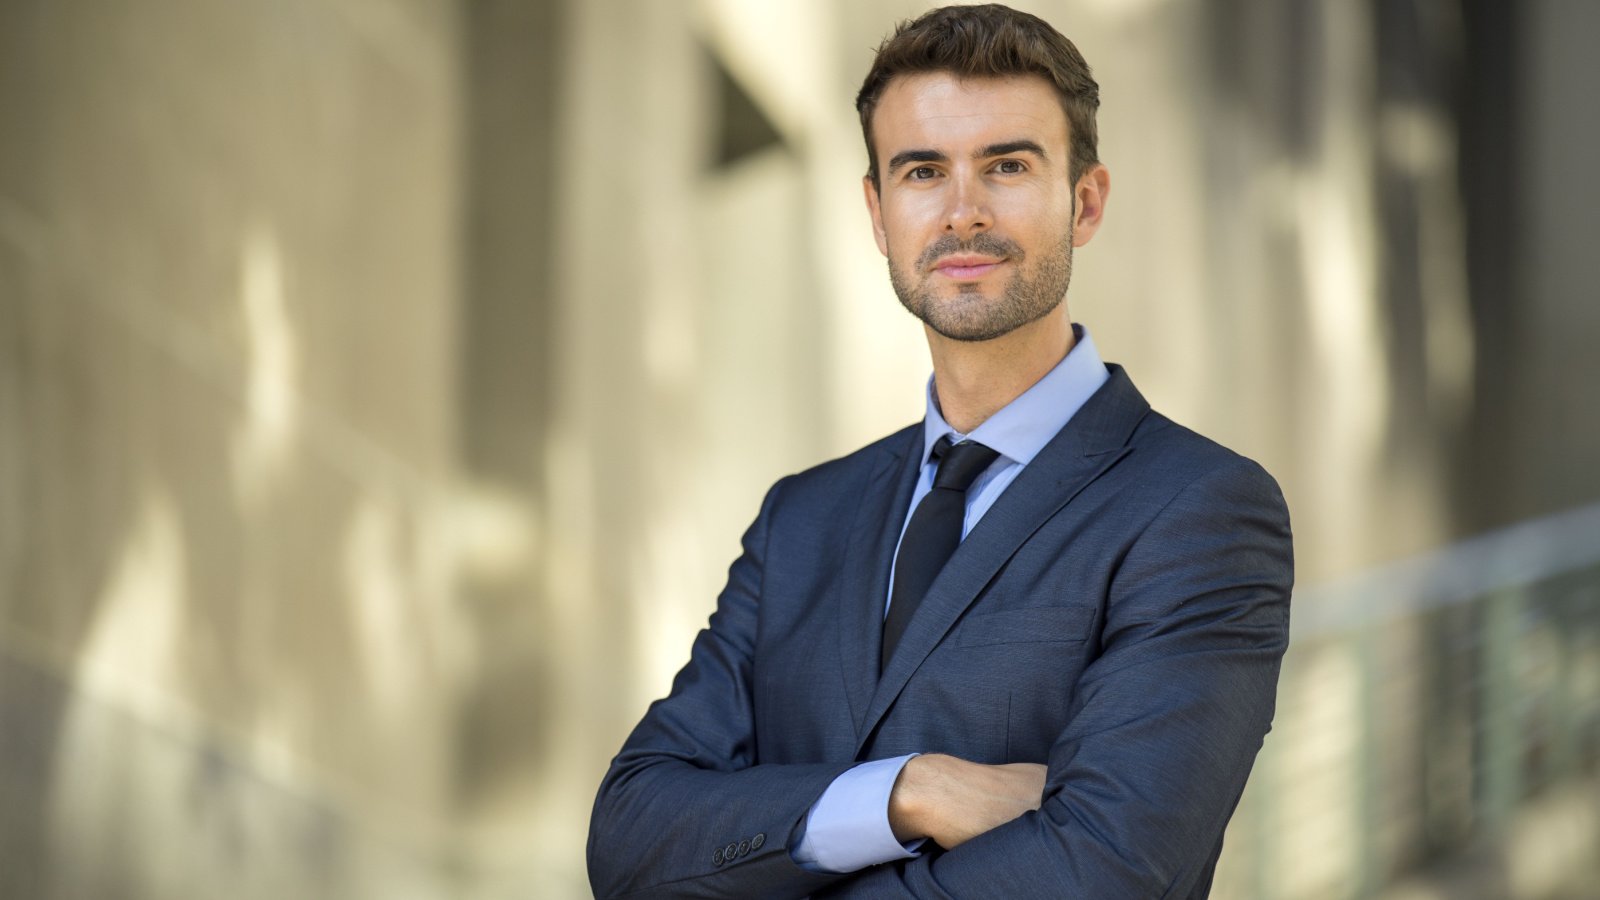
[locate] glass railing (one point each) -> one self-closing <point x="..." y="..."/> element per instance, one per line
<point x="1437" y="731"/>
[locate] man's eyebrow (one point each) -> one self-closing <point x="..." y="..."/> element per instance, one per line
<point x="906" y="157"/>
<point x="1007" y="148"/>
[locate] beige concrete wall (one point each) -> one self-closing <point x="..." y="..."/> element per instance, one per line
<point x="384" y="385"/>
<point x="228" y="280"/>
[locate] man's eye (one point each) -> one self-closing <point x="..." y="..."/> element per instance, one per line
<point x="921" y="173"/>
<point x="1010" y="167"/>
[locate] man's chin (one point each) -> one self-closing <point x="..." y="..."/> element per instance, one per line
<point x="975" y="321"/>
<point x="969" y="332"/>
<point x="968" y="316"/>
<point x="974" y="338"/>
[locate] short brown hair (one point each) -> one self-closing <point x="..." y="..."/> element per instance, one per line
<point x="987" y="41"/>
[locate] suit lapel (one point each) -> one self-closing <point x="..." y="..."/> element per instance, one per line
<point x="864" y="576"/>
<point x="1090" y="444"/>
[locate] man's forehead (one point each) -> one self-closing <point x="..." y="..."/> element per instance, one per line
<point x="943" y="105"/>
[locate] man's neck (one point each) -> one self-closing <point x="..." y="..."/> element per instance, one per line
<point x="973" y="380"/>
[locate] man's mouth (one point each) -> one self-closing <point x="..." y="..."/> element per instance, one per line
<point x="963" y="267"/>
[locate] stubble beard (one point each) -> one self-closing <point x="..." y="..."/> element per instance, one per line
<point x="1031" y="293"/>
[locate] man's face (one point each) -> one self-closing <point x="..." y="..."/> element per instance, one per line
<point x="975" y="209"/>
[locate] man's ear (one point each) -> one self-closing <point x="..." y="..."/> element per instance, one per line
<point x="875" y="208"/>
<point x="1090" y="194"/>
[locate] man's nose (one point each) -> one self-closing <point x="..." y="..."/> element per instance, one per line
<point x="969" y="211"/>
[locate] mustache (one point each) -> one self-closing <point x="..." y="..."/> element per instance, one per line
<point x="981" y="243"/>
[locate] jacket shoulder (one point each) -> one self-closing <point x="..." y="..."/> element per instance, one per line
<point x="1180" y="456"/>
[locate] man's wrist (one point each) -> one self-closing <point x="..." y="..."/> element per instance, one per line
<point x="906" y="811"/>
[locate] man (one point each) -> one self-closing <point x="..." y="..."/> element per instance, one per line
<point x="1026" y="648"/>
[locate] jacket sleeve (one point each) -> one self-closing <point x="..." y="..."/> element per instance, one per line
<point x="684" y="810"/>
<point x="1164" y="725"/>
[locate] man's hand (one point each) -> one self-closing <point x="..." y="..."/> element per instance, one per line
<point x="950" y="801"/>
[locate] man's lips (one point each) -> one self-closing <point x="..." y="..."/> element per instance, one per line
<point x="963" y="268"/>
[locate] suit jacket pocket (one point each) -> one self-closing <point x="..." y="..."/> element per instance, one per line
<point x="1040" y="624"/>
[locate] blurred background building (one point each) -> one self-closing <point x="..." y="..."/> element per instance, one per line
<point x="384" y="385"/>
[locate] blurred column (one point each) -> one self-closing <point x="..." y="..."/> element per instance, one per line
<point x="1534" y="206"/>
<point x="1559" y="300"/>
<point x="513" y="57"/>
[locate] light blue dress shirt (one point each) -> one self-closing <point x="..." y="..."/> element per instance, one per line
<point x="848" y="827"/>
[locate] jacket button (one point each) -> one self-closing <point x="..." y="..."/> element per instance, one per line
<point x="730" y="852"/>
<point x="744" y="848"/>
<point x="757" y="841"/>
<point x="716" y="857"/>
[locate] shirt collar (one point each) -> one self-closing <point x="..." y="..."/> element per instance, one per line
<point x="1022" y="427"/>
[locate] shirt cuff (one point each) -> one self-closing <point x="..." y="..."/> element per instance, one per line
<point x="848" y="827"/>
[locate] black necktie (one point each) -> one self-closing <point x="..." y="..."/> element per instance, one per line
<point x="933" y="533"/>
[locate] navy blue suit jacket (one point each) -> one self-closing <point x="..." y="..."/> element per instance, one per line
<point x="1119" y="614"/>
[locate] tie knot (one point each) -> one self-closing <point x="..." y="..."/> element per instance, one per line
<point x="960" y="464"/>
